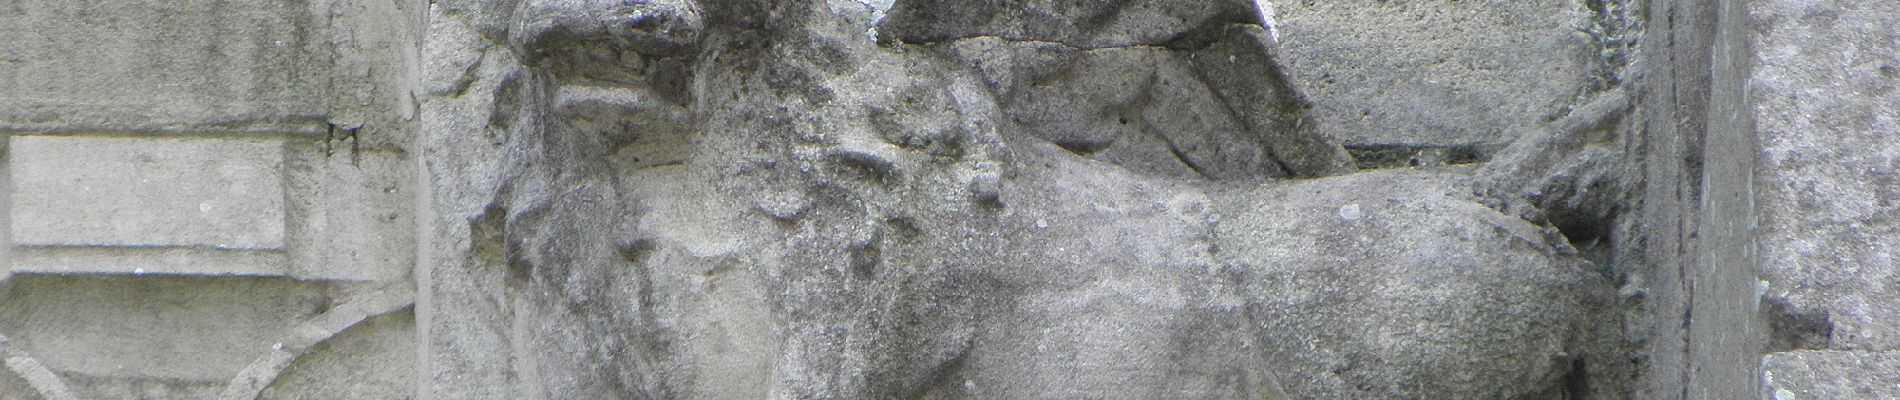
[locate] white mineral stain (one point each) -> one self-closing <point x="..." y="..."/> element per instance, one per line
<point x="1349" y="212"/>
<point x="1783" y="394"/>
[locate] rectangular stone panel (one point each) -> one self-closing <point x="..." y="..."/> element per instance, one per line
<point x="152" y="65"/>
<point x="127" y="192"/>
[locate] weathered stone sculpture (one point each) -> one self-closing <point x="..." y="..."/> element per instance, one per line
<point x="895" y="199"/>
<point x="752" y="199"/>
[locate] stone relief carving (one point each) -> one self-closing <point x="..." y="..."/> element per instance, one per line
<point x="751" y="199"/>
<point x="947" y="199"/>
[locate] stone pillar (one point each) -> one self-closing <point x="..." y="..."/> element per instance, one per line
<point x="1703" y="337"/>
<point x="1726" y="333"/>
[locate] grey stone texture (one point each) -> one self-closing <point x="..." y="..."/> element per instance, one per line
<point x="1157" y="110"/>
<point x="77" y="191"/>
<point x="998" y="210"/>
<point x="1823" y="88"/>
<point x="1365" y="286"/>
<point x="1438" y="74"/>
<point x="208" y="199"/>
<point x="187" y="335"/>
<point x="942" y="199"/>
<point x="1830" y="374"/>
<point x="76" y="67"/>
<point x="1076" y="24"/>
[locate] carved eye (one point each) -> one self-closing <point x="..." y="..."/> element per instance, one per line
<point x="543" y="29"/>
<point x="656" y="27"/>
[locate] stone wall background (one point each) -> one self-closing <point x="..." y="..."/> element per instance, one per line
<point x="208" y="199"/>
<point x="234" y="200"/>
<point x="1821" y="83"/>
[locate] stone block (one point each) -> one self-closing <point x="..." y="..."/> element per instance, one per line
<point x="1434" y="73"/>
<point x="128" y="329"/>
<point x="127" y="192"/>
<point x="1824" y="87"/>
<point x="155" y="66"/>
<point x="351" y="215"/>
<point x="1830" y="375"/>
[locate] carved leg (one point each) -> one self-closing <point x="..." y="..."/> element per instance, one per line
<point x="1561" y="172"/>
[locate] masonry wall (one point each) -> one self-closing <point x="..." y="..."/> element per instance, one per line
<point x="1822" y="93"/>
<point x="207" y="199"/>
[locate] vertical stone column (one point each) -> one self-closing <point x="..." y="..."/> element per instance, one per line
<point x="1725" y="331"/>
<point x="6" y="222"/>
<point x="466" y="352"/>
<point x="1703" y="337"/>
<point x="1672" y="121"/>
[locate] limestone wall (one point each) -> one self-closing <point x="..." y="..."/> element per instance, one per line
<point x="1823" y="85"/>
<point x="208" y="199"/>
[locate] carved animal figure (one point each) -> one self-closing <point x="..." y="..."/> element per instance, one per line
<point x="1018" y="199"/>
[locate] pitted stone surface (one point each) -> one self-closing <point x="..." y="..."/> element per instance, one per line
<point x="158" y="66"/>
<point x="351" y="216"/>
<point x="1356" y="284"/>
<point x="161" y="222"/>
<point x="1435" y="73"/>
<point x="118" y="329"/>
<point x="1803" y="375"/>
<point x="1824" y="86"/>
